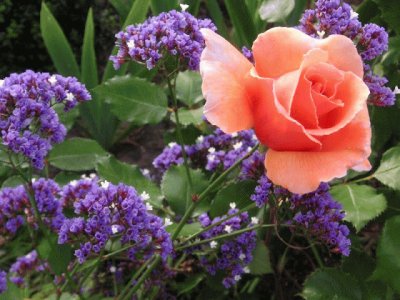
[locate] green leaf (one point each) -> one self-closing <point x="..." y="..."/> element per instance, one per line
<point x="116" y="171"/>
<point x="88" y="60"/>
<point x="238" y="193"/>
<point x="64" y="178"/>
<point x="390" y="13"/>
<point x="261" y="263"/>
<point x="13" y="292"/>
<point x="13" y="181"/>
<point x="217" y="17"/>
<point x="242" y="21"/>
<point x="159" y="6"/>
<point x="58" y="256"/>
<point x="188" y="87"/>
<point x="276" y="10"/>
<point x="57" y="45"/>
<point x="77" y="154"/>
<point x="388" y="259"/>
<point x="137" y="14"/>
<point x="389" y="171"/>
<point x="189" y="284"/>
<point x="122" y="7"/>
<point x="67" y="118"/>
<point x="175" y="187"/>
<point x="358" y="264"/>
<point x="331" y="283"/>
<point x="189" y="116"/>
<point x="361" y="203"/>
<point x="134" y="99"/>
<point x="187" y="230"/>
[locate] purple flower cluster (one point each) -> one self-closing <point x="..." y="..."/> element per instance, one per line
<point x="28" y="122"/>
<point x="215" y="151"/>
<point x="233" y="255"/>
<point x="248" y="54"/>
<point x="16" y="209"/>
<point x="77" y="189"/>
<point x="262" y="191"/>
<point x="320" y="215"/>
<point x="108" y="212"/>
<point x="3" y="281"/>
<point x="176" y="33"/>
<point x="335" y="17"/>
<point x="24" y="266"/>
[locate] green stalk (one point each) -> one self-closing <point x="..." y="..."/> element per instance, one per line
<point x="207" y="191"/>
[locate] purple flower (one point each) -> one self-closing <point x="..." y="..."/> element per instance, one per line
<point x="107" y="210"/>
<point x="248" y="54"/>
<point x="176" y="33"/>
<point x="374" y="41"/>
<point x="233" y="255"/>
<point x="262" y="191"/>
<point x="380" y="95"/>
<point x="3" y="281"/>
<point x="24" y="266"/>
<point x="321" y="216"/>
<point x="28" y="122"/>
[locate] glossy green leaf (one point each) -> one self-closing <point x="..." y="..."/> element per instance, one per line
<point x="137" y="14"/>
<point x="389" y="171"/>
<point x="390" y="13"/>
<point x="217" y="17"/>
<point x="361" y="203"/>
<point x="189" y="116"/>
<point x="88" y="60"/>
<point x="13" y="181"/>
<point x="188" y="87"/>
<point x="176" y="189"/>
<point x="134" y="99"/>
<point x="57" y="45"/>
<point x="116" y="172"/>
<point x="66" y="177"/>
<point x="261" y="262"/>
<point x="276" y="10"/>
<point x="238" y="193"/>
<point x="388" y="259"/>
<point x="187" y="230"/>
<point x="67" y="118"/>
<point x="58" y="256"/>
<point x="159" y="6"/>
<point x="77" y="154"/>
<point x="331" y="283"/>
<point x="242" y="22"/>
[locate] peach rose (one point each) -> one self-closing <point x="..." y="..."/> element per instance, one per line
<point x="304" y="97"/>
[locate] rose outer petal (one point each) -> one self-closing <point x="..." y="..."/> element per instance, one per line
<point x="302" y="172"/>
<point x="223" y="69"/>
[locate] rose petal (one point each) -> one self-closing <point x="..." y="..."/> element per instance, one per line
<point x="302" y="172"/>
<point x="280" y="50"/>
<point x="273" y="125"/>
<point x="223" y="69"/>
<point x="353" y="92"/>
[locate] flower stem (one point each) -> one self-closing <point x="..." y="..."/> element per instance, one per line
<point x="207" y="191"/>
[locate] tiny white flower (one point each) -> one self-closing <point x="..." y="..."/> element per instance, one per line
<point x="238" y="145"/>
<point x="113" y="205"/>
<point x="200" y="139"/>
<point x="145" y="196"/>
<point x="353" y="14"/>
<point x="131" y="44"/>
<point x="114" y="229"/>
<point x="246" y="269"/>
<point x="70" y="97"/>
<point x="196" y="240"/>
<point x="149" y="206"/>
<point x="254" y="137"/>
<point x="167" y="222"/>
<point x="213" y="244"/>
<point x="321" y="34"/>
<point x="105" y="184"/>
<point x="211" y="157"/>
<point x="249" y="149"/>
<point x="113" y="269"/>
<point x="145" y="172"/>
<point x="1" y="82"/>
<point x="92" y="175"/>
<point x="228" y="228"/>
<point x="172" y="144"/>
<point x="184" y="7"/>
<point x="396" y="90"/>
<point x="242" y="256"/>
<point x="234" y="134"/>
<point x="73" y="183"/>
<point x="211" y="150"/>
<point x="28" y="256"/>
<point x="237" y="277"/>
<point x="83" y="176"/>
<point x="232" y="205"/>
<point x="53" y="80"/>
<point x="33" y="180"/>
<point x="254" y="220"/>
